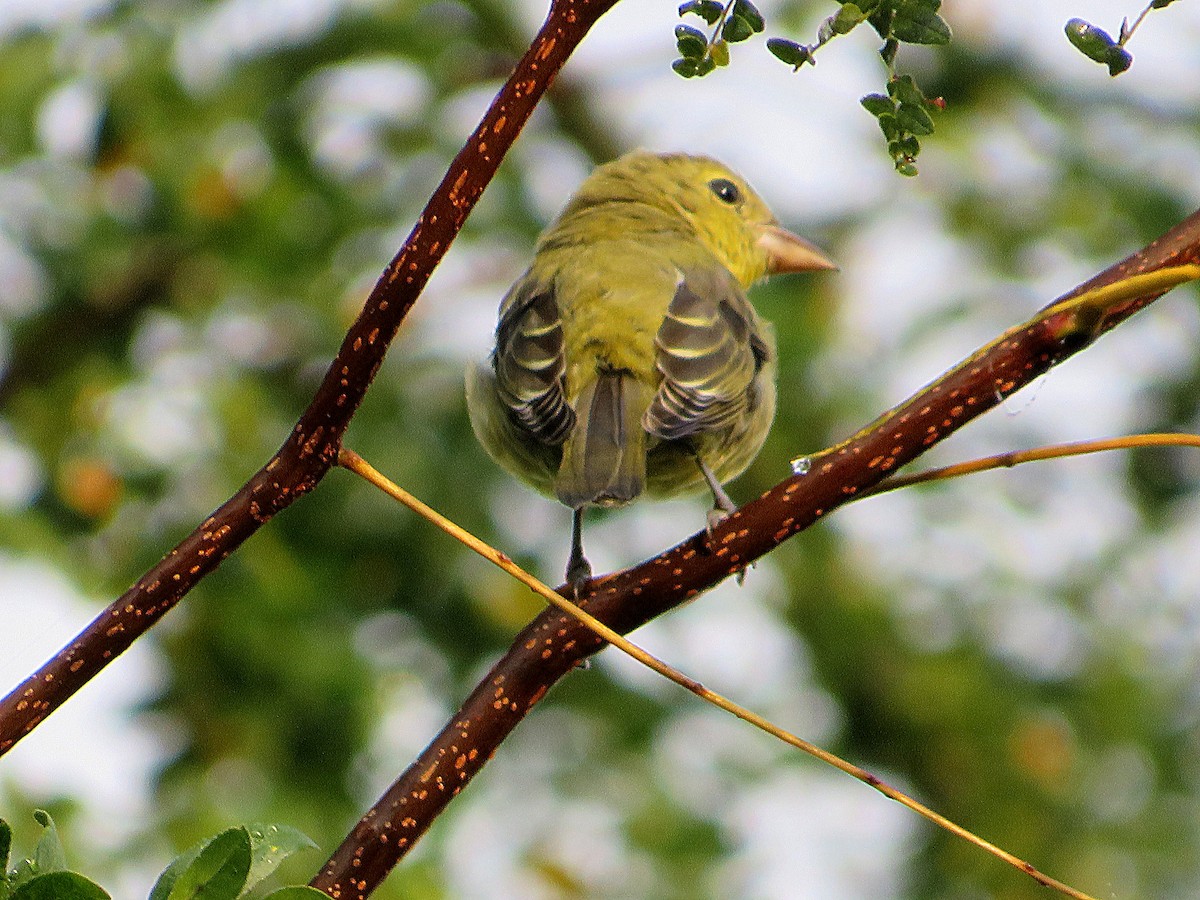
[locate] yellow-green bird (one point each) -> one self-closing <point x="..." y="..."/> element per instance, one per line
<point x="628" y="358"/>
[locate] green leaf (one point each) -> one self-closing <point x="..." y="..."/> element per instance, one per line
<point x="1119" y="59"/>
<point x="709" y="10"/>
<point x="914" y="119"/>
<point x="881" y="21"/>
<point x="297" y="893"/>
<point x="692" y="42"/>
<point x="917" y="22"/>
<point x="269" y="846"/>
<point x="686" y="68"/>
<point x="887" y="124"/>
<point x="1161" y="4"/>
<point x="789" y="51"/>
<point x="60" y="886"/>
<point x="1094" y="43"/>
<point x="904" y="90"/>
<point x="744" y="9"/>
<point x="878" y="105"/>
<point x="704" y="66"/>
<point x="719" y="52"/>
<point x="736" y="29"/>
<point x="907" y="169"/>
<point x="48" y="855"/>
<point x="888" y="51"/>
<point x="847" y="19"/>
<point x="218" y="871"/>
<point x="5" y="849"/>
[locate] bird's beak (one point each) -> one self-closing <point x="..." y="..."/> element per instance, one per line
<point x="788" y="253"/>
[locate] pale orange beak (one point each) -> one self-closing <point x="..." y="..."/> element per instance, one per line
<point x="787" y="252"/>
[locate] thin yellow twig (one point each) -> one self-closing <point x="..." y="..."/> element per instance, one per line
<point x="1131" y="287"/>
<point x="350" y="460"/>
<point x="1017" y="457"/>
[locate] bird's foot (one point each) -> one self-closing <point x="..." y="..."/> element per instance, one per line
<point x="579" y="573"/>
<point x="579" y="570"/>
<point x="716" y="516"/>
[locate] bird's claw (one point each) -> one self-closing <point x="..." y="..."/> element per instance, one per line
<point x="716" y="516"/>
<point x="579" y="573"/>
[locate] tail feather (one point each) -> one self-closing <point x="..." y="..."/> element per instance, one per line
<point x="604" y="459"/>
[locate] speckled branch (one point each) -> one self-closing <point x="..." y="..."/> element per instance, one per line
<point x="555" y="643"/>
<point x="312" y="448"/>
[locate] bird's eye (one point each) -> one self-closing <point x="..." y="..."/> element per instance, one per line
<point x="726" y="190"/>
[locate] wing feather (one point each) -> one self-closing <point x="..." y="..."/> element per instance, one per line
<point x="709" y="351"/>
<point x="530" y="361"/>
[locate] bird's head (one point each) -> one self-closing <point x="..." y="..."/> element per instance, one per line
<point x="725" y="213"/>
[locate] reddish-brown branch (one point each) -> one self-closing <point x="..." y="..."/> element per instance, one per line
<point x="313" y="445"/>
<point x="554" y="643"/>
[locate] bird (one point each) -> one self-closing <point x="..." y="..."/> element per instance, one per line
<point x="627" y="357"/>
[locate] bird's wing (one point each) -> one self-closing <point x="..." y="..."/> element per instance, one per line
<point x="709" y="352"/>
<point x="530" y="361"/>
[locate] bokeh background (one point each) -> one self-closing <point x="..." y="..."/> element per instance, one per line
<point x="195" y="198"/>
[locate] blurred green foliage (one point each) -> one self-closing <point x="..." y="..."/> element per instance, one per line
<point x="178" y="275"/>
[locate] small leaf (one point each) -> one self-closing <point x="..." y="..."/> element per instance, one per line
<point x="907" y="169"/>
<point x="685" y="68"/>
<point x="888" y="51"/>
<point x="878" y="105"/>
<point x="789" y="51"/>
<point x="914" y="119"/>
<point x="1119" y="59"/>
<point x="1094" y="43"/>
<point x="219" y="871"/>
<point x="60" y="886"/>
<point x="5" y="848"/>
<point x="887" y="124"/>
<point x="269" y="846"/>
<point x="748" y="11"/>
<point x="704" y="66"/>
<point x="917" y="22"/>
<point x="1161" y="4"/>
<point x="736" y="29"/>
<point x="847" y="19"/>
<point x="709" y="10"/>
<point x="48" y="855"/>
<point x="692" y="42"/>
<point x="903" y="89"/>
<point x="881" y="21"/>
<point x="719" y="53"/>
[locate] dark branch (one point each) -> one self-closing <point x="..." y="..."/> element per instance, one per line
<point x="554" y="643"/>
<point x="312" y="448"/>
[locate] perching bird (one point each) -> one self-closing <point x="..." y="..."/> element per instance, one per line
<point x="628" y="358"/>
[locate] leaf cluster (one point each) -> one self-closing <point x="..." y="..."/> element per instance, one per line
<point x="903" y="112"/>
<point x="230" y="866"/>
<point x="732" y="23"/>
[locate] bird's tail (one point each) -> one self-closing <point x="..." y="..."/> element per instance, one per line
<point x="604" y="458"/>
